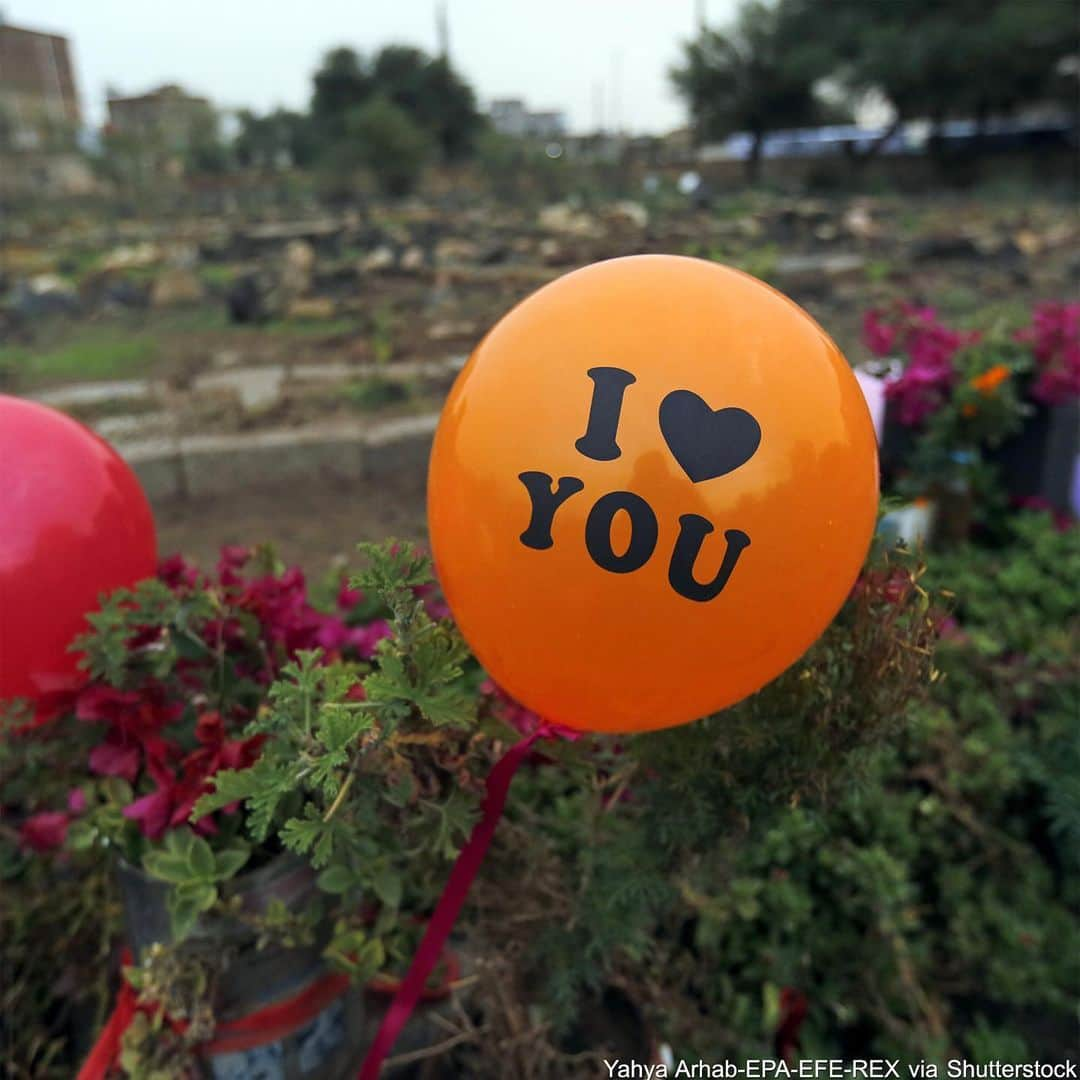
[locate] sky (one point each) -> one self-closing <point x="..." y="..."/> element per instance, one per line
<point x="600" y="61"/>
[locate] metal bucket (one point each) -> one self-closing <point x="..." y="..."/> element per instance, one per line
<point x="327" y="1045"/>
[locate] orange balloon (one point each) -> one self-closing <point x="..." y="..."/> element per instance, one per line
<point x="652" y="487"/>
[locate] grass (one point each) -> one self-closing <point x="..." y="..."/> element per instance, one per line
<point x="94" y="357"/>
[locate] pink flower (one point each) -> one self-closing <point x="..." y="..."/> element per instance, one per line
<point x="927" y="380"/>
<point x="879" y="335"/>
<point x="151" y="812"/>
<point x="1054" y="336"/>
<point x="178" y="573"/>
<point x="76" y="801"/>
<point x="114" y="757"/>
<point x="44" y="831"/>
<point x="518" y="716"/>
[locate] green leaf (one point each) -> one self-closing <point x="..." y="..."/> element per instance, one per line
<point x="337" y="879"/>
<point x="230" y="861"/>
<point x="202" y="859"/>
<point x="167" y="866"/>
<point x="186" y="903"/>
<point x="387" y="886"/>
<point x="230" y="785"/>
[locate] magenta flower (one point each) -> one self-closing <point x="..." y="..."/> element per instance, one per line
<point x="44" y="831"/>
<point x="1054" y="336"/>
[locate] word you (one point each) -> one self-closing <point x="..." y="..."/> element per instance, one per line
<point x="706" y="443"/>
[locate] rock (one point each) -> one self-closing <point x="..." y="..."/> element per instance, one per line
<point x="951" y="246"/>
<point x="452" y="250"/>
<point x="382" y="258"/>
<point x="132" y="256"/>
<point x="564" y="218"/>
<point x="298" y="268"/>
<point x="412" y="260"/>
<point x="493" y="255"/>
<point x="256" y="387"/>
<point x="42" y="296"/>
<point x="175" y="287"/>
<point x="182" y="256"/>
<point x="248" y="300"/>
<point x="551" y="252"/>
<point x="816" y="275"/>
<point x="1028" y="242"/>
<point x="627" y="212"/>
<point x="444" y="331"/>
<point x="311" y="307"/>
<point x="858" y="221"/>
<point x="111" y="289"/>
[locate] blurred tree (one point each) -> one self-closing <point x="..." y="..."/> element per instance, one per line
<point x="946" y="58"/>
<point x="206" y="151"/>
<point x="383" y="138"/>
<point x="342" y="82"/>
<point x="757" y="76"/>
<point x="436" y="98"/>
<point x="278" y="139"/>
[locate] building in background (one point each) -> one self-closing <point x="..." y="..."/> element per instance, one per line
<point x="509" y="116"/>
<point x="167" y="119"/>
<point x="40" y="116"/>
<point x="39" y="103"/>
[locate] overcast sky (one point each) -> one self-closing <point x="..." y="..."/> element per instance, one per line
<point x="582" y="56"/>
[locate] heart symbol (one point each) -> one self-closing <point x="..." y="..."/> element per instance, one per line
<point x="707" y="443"/>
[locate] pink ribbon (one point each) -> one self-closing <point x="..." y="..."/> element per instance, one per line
<point x="453" y="897"/>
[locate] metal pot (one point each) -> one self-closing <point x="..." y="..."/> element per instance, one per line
<point x="326" y="1045"/>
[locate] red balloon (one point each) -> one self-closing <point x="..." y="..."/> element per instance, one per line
<point x="74" y="523"/>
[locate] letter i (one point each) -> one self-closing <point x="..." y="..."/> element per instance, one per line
<point x="609" y="385"/>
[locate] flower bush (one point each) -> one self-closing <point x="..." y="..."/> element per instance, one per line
<point x="963" y="393"/>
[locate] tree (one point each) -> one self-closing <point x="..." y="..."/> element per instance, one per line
<point x="280" y="137"/>
<point x="383" y="138"/>
<point x="943" y="58"/>
<point x="343" y="82"/>
<point x="757" y="76"/>
<point x="435" y="97"/>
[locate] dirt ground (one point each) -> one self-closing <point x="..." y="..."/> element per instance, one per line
<point x="315" y="524"/>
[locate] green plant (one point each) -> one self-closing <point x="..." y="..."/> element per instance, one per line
<point x="376" y="392"/>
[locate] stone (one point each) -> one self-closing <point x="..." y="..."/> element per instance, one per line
<point x="314" y="308"/>
<point x="221" y="464"/>
<point x="834" y="265"/>
<point x="444" y="331"/>
<point x="949" y="246"/>
<point x="132" y="257"/>
<point x="566" y="219"/>
<point x="42" y="296"/>
<point x="403" y="443"/>
<point x="176" y="287"/>
<point x="256" y="387"/>
<point x="249" y="300"/>
<point x="451" y="250"/>
<point x="381" y="258"/>
<point x="859" y="222"/>
<point x="412" y="259"/>
<point x="75" y="394"/>
<point x="298" y="268"/>
<point x="628" y="212"/>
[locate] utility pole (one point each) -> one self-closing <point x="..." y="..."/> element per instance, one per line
<point x="442" y="30"/>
